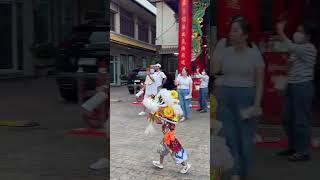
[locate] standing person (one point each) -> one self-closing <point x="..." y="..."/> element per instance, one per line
<point x="300" y="92"/>
<point x="150" y="88"/>
<point x="240" y="88"/>
<point x="184" y="83"/>
<point x="169" y="84"/>
<point x="159" y="77"/>
<point x="203" y="92"/>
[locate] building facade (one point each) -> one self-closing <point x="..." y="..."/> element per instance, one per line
<point x="167" y="36"/>
<point x="132" y="37"/>
<point x="27" y="23"/>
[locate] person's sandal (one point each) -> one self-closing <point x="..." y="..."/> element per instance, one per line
<point x="298" y="157"/>
<point x="157" y="164"/>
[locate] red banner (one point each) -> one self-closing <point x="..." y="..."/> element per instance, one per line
<point x="226" y="9"/>
<point x="185" y="30"/>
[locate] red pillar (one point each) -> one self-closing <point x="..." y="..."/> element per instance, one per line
<point x="185" y="31"/>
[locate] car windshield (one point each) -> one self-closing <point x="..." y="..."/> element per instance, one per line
<point x="141" y="73"/>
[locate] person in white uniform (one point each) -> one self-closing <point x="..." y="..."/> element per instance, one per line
<point x="159" y="77"/>
<point x="150" y="87"/>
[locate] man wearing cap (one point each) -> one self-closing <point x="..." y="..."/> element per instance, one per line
<point x="159" y="77"/>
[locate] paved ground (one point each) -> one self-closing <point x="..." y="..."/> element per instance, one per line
<point x="44" y="153"/>
<point x="269" y="166"/>
<point x="132" y="151"/>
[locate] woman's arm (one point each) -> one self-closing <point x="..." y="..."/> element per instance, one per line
<point x="298" y="49"/>
<point x="176" y="81"/>
<point x="191" y="86"/>
<point x="217" y="55"/>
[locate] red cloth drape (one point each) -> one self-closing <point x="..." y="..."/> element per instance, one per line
<point x="247" y="8"/>
<point x="251" y="9"/>
<point x="185" y="30"/>
<point x="294" y="15"/>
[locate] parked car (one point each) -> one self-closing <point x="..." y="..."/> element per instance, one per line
<point x="87" y="45"/>
<point x="136" y="76"/>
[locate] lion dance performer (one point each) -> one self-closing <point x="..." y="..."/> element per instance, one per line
<point x="165" y="110"/>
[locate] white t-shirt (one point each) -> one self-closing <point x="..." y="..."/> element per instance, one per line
<point x="158" y="77"/>
<point x="221" y="50"/>
<point x="240" y="68"/>
<point x="184" y="82"/>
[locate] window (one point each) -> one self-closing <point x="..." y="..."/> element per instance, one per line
<point x="20" y="35"/>
<point x="112" y="23"/>
<point x="144" y="62"/>
<point x="124" y="64"/>
<point x="6" y="36"/>
<point x="131" y="62"/>
<point x="41" y="22"/>
<point x="153" y="35"/>
<point x="143" y="32"/>
<point x="126" y="23"/>
<point x="172" y="64"/>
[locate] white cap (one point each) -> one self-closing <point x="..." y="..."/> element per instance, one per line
<point x="158" y="65"/>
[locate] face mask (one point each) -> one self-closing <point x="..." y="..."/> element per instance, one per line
<point x="151" y="71"/>
<point x="299" y="38"/>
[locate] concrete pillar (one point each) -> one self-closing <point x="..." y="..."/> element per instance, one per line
<point x="117" y="21"/>
<point x="136" y="27"/>
<point x="28" y="38"/>
<point x="150" y="34"/>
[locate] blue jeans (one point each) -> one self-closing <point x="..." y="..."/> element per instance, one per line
<point x="184" y="103"/>
<point x="203" y="98"/>
<point x="297" y="116"/>
<point x="239" y="133"/>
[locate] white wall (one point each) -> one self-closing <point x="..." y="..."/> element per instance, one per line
<point x="167" y="27"/>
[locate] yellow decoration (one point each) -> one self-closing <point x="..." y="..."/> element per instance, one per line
<point x="174" y="94"/>
<point x="176" y="118"/>
<point x="168" y="112"/>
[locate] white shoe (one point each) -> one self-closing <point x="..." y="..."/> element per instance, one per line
<point x="142" y="113"/>
<point x="100" y="164"/>
<point x="182" y="119"/>
<point x="157" y="164"/>
<point x="185" y="168"/>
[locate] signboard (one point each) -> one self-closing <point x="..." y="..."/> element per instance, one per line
<point x="184" y="44"/>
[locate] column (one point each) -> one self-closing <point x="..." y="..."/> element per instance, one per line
<point x="185" y="32"/>
<point x="136" y="27"/>
<point x="150" y="34"/>
<point x="117" y="21"/>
